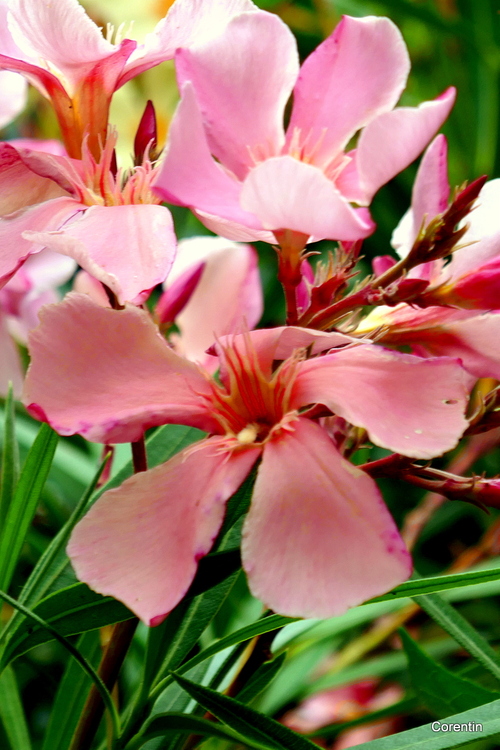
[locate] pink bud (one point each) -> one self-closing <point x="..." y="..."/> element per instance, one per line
<point x="147" y="135"/>
<point x="178" y="294"/>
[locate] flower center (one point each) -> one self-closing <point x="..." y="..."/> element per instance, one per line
<point x="250" y="404"/>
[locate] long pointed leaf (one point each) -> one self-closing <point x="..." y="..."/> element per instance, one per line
<point x="25" y="501"/>
<point x="11" y="712"/>
<point x="10" y="459"/>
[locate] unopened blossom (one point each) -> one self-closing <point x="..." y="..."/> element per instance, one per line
<point x="213" y="289"/>
<point x="318" y="537"/>
<point x="109" y="222"/>
<point x="61" y="51"/>
<point x="230" y="159"/>
<point x="461" y="317"/>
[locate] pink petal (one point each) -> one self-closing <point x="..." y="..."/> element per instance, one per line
<point x="318" y="538"/>
<point x="227" y="298"/>
<point x="47" y="270"/>
<point x="431" y="189"/>
<point x="20" y="185"/>
<point x="60" y="32"/>
<point x="14" y="248"/>
<point x="288" y="194"/>
<point x="357" y="73"/>
<point x="277" y="344"/>
<point x="242" y="87"/>
<point x="45" y="145"/>
<point x="232" y="230"/>
<point x="479" y="289"/>
<point x="13" y="88"/>
<point x="10" y="362"/>
<point x="108" y="374"/>
<point x="474" y="340"/>
<point x="187" y="22"/>
<point x="129" y="248"/>
<point x="389" y="143"/>
<point x="141" y="542"/>
<point x="409" y="405"/>
<point x="189" y="176"/>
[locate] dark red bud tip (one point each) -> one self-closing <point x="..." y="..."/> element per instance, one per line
<point x="147" y="134"/>
<point x="173" y="301"/>
<point x="411" y="288"/>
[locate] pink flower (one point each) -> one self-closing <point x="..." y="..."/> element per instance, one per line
<point x="208" y="269"/>
<point x="318" y="537"/>
<point x="13" y="96"/>
<point x="20" y="301"/>
<point x="60" y="49"/>
<point x="111" y="224"/>
<point x="462" y="295"/>
<point x="230" y="160"/>
<point x="472" y="277"/>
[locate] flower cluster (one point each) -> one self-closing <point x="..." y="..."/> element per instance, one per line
<point x="295" y="401"/>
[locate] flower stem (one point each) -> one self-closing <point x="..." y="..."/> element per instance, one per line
<point x="115" y="652"/>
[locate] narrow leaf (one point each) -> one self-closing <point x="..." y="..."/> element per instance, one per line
<point x="260" y="680"/>
<point x="439" y="583"/>
<point x="73" y="610"/>
<point x="250" y="724"/>
<point x="71" y="695"/>
<point x="167" y="724"/>
<point x="10" y="458"/>
<point x="461" y="630"/>
<point x="11" y="712"/>
<point x="441" y="691"/>
<point x="475" y="724"/>
<point x="25" y="501"/>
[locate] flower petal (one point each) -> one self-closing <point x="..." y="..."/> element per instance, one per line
<point x="108" y="375"/>
<point x="189" y="176"/>
<point x="389" y="143"/>
<point x="406" y="404"/>
<point x="20" y="184"/>
<point x="14" y="248"/>
<point x="141" y="542"/>
<point x="288" y="194"/>
<point x="14" y="96"/>
<point x="60" y="32"/>
<point x="187" y="22"/>
<point x="242" y="87"/>
<point x="228" y="295"/>
<point x="10" y="362"/>
<point x="318" y="538"/>
<point x="356" y="74"/>
<point x="129" y="248"/>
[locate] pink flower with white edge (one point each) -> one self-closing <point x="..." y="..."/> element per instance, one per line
<point x="213" y="289"/>
<point x="230" y="160"/>
<point x="64" y="54"/>
<point x="318" y="537"/>
<point x="110" y="223"/>
<point x="462" y="322"/>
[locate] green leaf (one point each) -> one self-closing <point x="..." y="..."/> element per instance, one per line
<point x="167" y="724"/>
<point x="441" y="691"/>
<point x="252" y="725"/>
<point x="49" y="564"/>
<point x="261" y="678"/>
<point x="10" y="459"/>
<point x="266" y="625"/>
<point x="11" y="712"/>
<point x="433" y="584"/>
<point x="71" y="611"/>
<point x="461" y="630"/>
<point x="25" y="501"/>
<point x="475" y="724"/>
<point x="85" y="665"/>
<point x="71" y="695"/>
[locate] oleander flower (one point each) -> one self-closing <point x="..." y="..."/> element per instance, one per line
<point x="230" y="160"/>
<point x="65" y="55"/>
<point x="109" y="222"/>
<point x="461" y="317"/>
<point x="318" y="537"/>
